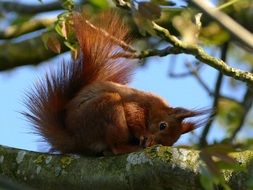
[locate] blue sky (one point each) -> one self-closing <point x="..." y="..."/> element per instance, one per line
<point x="185" y="92"/>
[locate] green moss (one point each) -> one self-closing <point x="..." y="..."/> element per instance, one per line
<point x="40" y="159"/>
<point x="159" y="152"/>
<point x="66" y="161"/>
<point x="182" y="157"/>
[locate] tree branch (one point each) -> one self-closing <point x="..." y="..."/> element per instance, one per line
<point x="203" y="141"/>
<point x="158" y="167"/>
<point x="29" y="9"/>
<point x="246" y="104"/>
<point x="24" y="28"/>
<point x="192" y="49"/>
<point x="240" y="33"/>
<point x="201" y="55"/>
<point x="31" y="51"/>
<point x="195" y="73"/>
<point x="157" y="52"/>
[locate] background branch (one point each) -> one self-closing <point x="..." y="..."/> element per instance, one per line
<point x="203" y="141"/>
<point x="24" y="28"/>
<point x="195" y="73"/>
<point x="157" y="52"/>
<point x="246" y="104"/>
<point x="29" y="9"/>
<point x="201" y="55"/>
<point x="15" y="54"/>
<point x="240" y="33"/>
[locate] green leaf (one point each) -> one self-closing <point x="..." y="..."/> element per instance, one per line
<point x="206" y="178"/>
<point x="71" y="46"/>
<point x="45" y="37"/>
<point x="207" y="158"/>
<point x="62" y="25"/>
<point x="209" y="181"/>
<point x="250" y="182"/>
<point x="74" y="54"/>
<point x="224" y="148"/>
<point x="229" y="114"/>
<point x="144" y="25"/>
<point x="68" y="4"/>
<point x="214" y="34"/>
<point x="54" y="44"/>
<point x="164" y="2"/>
<point x="149" y="10"/>
<point x="51" y="42"/>
<point x="58" y="28"/>
<point x="229" y="166"/>
<point x="64" y="15"/>
<point x="99" y="4"/>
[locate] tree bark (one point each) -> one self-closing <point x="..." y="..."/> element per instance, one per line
<point x="158" y="167"/>
<point x="30" y="51"/>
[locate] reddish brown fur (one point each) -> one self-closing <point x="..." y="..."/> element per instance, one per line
<point x="85" y="107"/>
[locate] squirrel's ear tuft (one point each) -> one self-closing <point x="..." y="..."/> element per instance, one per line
<point x="182" y="113"/>
<point x="206" y="116"/>
<point x="188" y="127"/>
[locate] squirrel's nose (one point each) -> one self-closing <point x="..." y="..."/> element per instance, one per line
<point x="143" y="140"/>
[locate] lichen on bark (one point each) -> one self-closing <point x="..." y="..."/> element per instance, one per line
<point x="158" y="167"/>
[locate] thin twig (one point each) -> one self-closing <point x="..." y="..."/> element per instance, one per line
<point x="246" y="104"/>
<point x="180" y="75"/>
<point x="121" y="43"/>
<point x="227" y="4"/>
<point x="240" y="33"/>
<point x="205" y="86"/>
<point x="219" y="79"/>
<point x="157" y="52"/>
<point x="201" y="55"/>
<point x="201" y="82"/>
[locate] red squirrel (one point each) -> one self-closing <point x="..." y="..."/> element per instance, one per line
<point x="85" y="106"/>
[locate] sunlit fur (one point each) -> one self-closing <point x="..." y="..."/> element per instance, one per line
<point x="85" y="107"/>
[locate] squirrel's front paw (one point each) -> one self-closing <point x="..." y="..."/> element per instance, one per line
<point x="147" y="141"/>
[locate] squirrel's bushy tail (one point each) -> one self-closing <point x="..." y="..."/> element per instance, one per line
<point x="99" y="60"/>
<point x="100" y="48"/>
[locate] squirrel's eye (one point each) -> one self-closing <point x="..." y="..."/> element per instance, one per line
<point x="163" y="125"/>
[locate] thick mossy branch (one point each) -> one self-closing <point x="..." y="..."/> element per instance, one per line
<point x="201" y="55"/>
<point x="158" y="167"/>
<point x="24" y="28"/>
